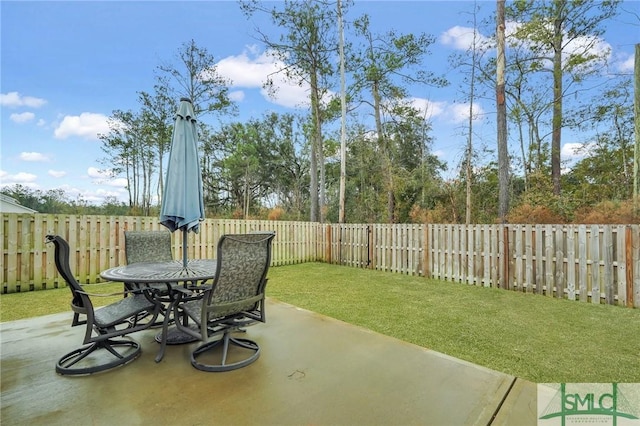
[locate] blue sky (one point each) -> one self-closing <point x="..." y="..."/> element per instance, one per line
<point x="65" y="66"/>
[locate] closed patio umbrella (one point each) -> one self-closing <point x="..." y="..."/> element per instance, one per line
<point x="182" y="202"/>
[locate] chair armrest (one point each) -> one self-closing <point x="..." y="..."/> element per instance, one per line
<point x="185" y="291"/>
<point x="117" y="293"/>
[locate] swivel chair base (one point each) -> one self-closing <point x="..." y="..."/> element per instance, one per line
<point x="222" y="365"/>
<point x="107" y="357"/>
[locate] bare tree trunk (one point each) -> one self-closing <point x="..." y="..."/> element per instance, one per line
<point x="556" y="132"/>
<point x="343" y="120"/>
<point x="503" y="152"/>
<point x="246" y="193"/>
<point x="313" y="184"/>
<point x="636" y="149"/>
<point x="469" y="154"/>
<point x="384" y="151"/>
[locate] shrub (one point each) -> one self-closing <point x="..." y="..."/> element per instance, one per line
<point x="615" y="212"/>
<point x="276" y="213"/>
<point x="527" y="213"/>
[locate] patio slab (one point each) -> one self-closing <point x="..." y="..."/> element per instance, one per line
<point x="313" y="370"/>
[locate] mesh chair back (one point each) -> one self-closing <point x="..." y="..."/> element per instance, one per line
<point x="243" y="263"/>
<point x="62" y="253"/>
<point x="147" y="246"/>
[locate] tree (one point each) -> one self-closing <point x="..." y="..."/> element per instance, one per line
<point x="343" y="116"/>
<point x="636" y="121"/>
<point x="194" y="76"/>
<point x="379" y="66"/>
<point x="131" y="150"/>
<point x="291" y="165"/>
<point x="305" y="47"/>
<point x="158" y="114"/>
<point x="606" y="172"/>
<point x="254" y="164"/>
<point x="562" y="33"/>
<point x="503" y="152"/>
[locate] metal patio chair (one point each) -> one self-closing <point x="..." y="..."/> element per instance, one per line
<point x="149" y="246"/>
<point x="103" y="350"/>
<point x="235" y="299"/>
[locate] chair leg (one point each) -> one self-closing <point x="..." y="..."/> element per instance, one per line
<point x="227" y="341"/>
<point x="142" y="315"/>
<point x="71" y="364"/>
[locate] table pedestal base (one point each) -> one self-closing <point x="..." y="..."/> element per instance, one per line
<point x="176" y="337"/>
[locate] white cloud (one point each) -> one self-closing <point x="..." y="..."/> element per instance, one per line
<point x="453" y="113"/>
<point x="15" y="99"/>
<point x="429" y="108"/>
<point x="117" y="183"/>
<point x="576" y="151"/>
<point x="95" y="173"/>
<point x="253" y="70"/>
<point x="57" y="173"/>
<point x="439" y="153"/>
<point x="33" y="156"/>
<point x="459" y="113"/>
<point x="41" y="123"/>
<point x="591" y="45"/>
<point x="462" y="38"/>
<point x="22" y="117"/>
<point x="119" y="194"/>
<point x="236" y="95"/>
<point x="581" y="45"/>
<point x="246" y="71"/>
<point x="92" y="196"/>
<point x="626" y="65"/>
<point x="106" y="177"/>
<point x="86" y="125"/>
<point x="21" y="178"/>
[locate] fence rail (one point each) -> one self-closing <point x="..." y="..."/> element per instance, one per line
<point x="97" y="243"/>
<point x="589" y="263"/>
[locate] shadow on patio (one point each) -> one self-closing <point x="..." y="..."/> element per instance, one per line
<point x="313" y="370"/>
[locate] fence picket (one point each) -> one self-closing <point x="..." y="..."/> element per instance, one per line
<point x="582" y="263"/>
<point x="596" y="263"/>
<point x="571" y="264"/>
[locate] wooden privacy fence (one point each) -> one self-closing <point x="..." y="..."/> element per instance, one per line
<point x="589" y="263"/>
<point x="97" y="243"/>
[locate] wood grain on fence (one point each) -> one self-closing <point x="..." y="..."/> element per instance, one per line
<point x="97" y="243"/>
<point x="588" y="263"/>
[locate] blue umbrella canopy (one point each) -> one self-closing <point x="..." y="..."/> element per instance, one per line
<point x="182" y="202"/>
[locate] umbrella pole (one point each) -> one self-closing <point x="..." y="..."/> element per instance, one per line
<point x="184" y="248"/>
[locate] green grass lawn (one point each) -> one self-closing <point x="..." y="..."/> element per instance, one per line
<point x="529" y="336"/>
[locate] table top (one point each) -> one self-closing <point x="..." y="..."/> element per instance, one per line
<point x="161" y="272"/>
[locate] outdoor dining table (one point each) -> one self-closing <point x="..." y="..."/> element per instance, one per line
<point x="195" y="274"/>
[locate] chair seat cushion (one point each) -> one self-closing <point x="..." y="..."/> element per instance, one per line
<point x="124" y="308"/>
<point x="193" y="308"/>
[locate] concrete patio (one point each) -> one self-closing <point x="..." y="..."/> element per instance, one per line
<point x="313" y="370"/>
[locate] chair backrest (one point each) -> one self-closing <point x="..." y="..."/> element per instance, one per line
<point x="80" y="302"/>
<point x="147" y="246"/>
<point x="243" y="262"/>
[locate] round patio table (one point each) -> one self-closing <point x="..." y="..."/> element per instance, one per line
<point x="196" y="273"/>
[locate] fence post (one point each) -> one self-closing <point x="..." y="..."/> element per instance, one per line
<point x="628" y="255"/>
<point x="426" y="268"/>
<point x="327" y="254"/>
<point x="504" y="279"/>
<point x="370" y="248"/>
